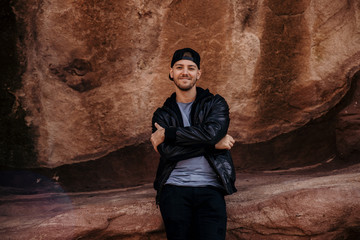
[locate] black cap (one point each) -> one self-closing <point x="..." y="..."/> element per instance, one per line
<point x="185" y="54"/>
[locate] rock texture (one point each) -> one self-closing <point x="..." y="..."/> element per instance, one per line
<point x="348" y="124"/>
<point x="16" y="138"/>
<point x="305" y="207"/>
<point x="96" y="70"/>
<point x="319" y="203"/>
<point x="81" y="79"/>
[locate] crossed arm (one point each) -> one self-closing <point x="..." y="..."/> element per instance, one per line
<point x="211" y="133"/>
<point x="158" y="137"/>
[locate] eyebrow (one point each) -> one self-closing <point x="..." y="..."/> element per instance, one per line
<point x="190" y="65"/>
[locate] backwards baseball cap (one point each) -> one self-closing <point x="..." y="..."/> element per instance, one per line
<point x="185" y="54"/>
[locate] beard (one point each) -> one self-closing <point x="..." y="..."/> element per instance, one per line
<point x="186" y="87"/>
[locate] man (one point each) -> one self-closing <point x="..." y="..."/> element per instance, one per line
<point x="195" y="169"/>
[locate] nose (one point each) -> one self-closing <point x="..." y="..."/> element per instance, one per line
<point x="185" y="71"/>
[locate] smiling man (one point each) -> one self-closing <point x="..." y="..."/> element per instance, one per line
<point x="195" y="169"/>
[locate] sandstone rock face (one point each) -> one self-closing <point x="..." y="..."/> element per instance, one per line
<point x="281" y="205"/>
<point x="348" y="124"/>
<point x="96" y="70"/>
<point x="325" y="207"/>
<point x="93" y="72"/>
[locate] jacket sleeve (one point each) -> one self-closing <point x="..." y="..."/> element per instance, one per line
<point x="209" y="132"/>
<point x="170" y="151"/>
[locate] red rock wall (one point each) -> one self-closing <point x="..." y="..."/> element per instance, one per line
<point x="96" y="70"/>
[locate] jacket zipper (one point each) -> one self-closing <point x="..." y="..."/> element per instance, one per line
<point x="217" y="173"/>
<point x="207" y="157"/>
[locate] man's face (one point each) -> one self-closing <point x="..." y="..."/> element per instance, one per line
<point x="185" y="74"/>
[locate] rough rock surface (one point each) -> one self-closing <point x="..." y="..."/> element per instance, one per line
<point x="94" y="71"/>
<point x="319" y="203"/>
<point x="86" y="77"/>
<point x="348" y="124"/>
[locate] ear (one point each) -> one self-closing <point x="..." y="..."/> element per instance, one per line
<point x="198" y="74"/>
<point x="171" y="73"/>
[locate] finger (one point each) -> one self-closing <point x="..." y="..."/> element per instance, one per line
<point x="152" y="141"/>
<point x="158" y="126"/>
<point x="154" y="145"/>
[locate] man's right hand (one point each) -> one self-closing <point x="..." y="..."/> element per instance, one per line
<point x="158" y="136"/>
<point x="226" y="142"/>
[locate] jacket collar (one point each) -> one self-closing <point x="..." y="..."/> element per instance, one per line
<point x="200" y="94"/>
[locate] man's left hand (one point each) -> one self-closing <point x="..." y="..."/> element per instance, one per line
<point x="158" y="136"/>
<point x="226" y="142"/>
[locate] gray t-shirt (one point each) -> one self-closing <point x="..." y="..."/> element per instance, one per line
<point x="192" y="172"/>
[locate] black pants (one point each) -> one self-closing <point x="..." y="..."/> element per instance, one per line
<point x="193" y="213"/>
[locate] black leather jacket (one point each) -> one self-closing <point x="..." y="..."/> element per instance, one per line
<point x="210" y="122"/>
